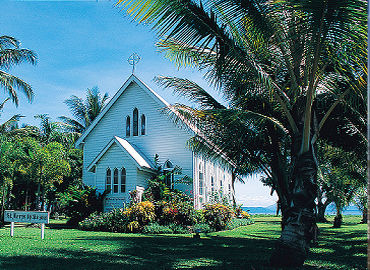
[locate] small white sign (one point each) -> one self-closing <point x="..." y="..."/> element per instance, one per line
<point x="27" y="217"/>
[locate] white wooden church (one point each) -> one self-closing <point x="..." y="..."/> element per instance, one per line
<point x="120" y="145"/>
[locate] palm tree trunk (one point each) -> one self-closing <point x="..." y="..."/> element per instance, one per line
<point x="338" y="217"/>
<point x="321" y="207"/>
<point x="233" y="178"/>
<point x="364" y="216"/>
<point x="299" y="226"/>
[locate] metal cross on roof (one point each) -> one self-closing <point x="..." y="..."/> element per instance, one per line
<point x="133" y="60"/>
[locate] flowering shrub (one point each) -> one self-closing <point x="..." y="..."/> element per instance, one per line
<point x="169" y="214"/>
<point x="217" y="215"/>
<point x="244" y="214"/>
<point x="139" y="215"/>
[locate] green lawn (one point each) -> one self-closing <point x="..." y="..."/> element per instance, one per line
<point x="243" y="248"/>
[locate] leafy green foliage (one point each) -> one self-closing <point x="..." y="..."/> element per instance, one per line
<point x="114" y="221"/>
<point x="79" y="202"/>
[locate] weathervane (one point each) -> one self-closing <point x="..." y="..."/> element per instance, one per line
<point x="133" y="60"/>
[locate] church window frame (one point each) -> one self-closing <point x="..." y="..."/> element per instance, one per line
<point x="115" y="180"/>
<point x="128" y="126"/>
<point x="123" y="180"/>
<point x="169" y="175"/>
<point x="108" y="180"/>
<point x="143" y="124"/>
<point x="201" y="179"/>
<point x="135" y="122"/>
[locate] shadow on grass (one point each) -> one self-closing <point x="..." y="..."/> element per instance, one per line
<point x="178" y="252"/>
<point x="338" y="249"/>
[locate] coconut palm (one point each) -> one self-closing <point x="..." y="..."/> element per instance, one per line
<point x="84" y="111"/>
<point x="9" y="124"/>
<point x="290" y="52"/>
<point x="10" y="55"/>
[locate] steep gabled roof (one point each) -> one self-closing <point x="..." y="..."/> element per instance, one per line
<point x="157" y="98"/>
<point x="141" y="161"/>
<point x="130" y="80"/>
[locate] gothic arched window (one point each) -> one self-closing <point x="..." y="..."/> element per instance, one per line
<point x="115" y="180"/>
<point x="201" y="180"/>
<point x="169" y="179"/>
<point x="123" y="180"/>
<point x="143" y="124"/>
<point x="128" y="126"/>
<point x="135" y="122"/>
<point x="108" y="180"/>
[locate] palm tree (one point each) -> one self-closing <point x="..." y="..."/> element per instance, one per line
<point x="290" y="52"/>
<point x="84" y="111"/>
<point x="9" y="124"/>
<point x="11" y="54"/>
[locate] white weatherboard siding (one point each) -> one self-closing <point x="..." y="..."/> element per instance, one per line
<point x="162" y="137"/>
<point x="222" y="180"/>
<point x="116" y="158"/>
<point x="105" y="144"/>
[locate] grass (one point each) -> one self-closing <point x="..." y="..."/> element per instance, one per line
<point x="242" y="248"/>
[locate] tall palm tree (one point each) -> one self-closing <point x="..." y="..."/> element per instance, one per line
<point x="84" y="111"/>
<point x="10" y="55"/>
<point x="288" y="51"/>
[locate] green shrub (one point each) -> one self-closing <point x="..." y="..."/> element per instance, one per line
<point x="238" y="222"/>
<point x="155" y="228"/>
<point x="179" y="229"/>
<point x="217" y="215"/>
<point x="114" y="221"/>
<point x="79" y="202"/>
<point x="202" y="228"/>
<point x="198" y="217"/>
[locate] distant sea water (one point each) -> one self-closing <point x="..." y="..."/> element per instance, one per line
<point x="271" y="210"/>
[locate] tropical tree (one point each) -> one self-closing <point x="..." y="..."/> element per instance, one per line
<point x="51" y="131"/>
<point x="10" y="55"/>
<point x="290" y="52"/>
<point x="84" y="111"/>
<point x="9" y="124"/>
<point x="44" y="165"/>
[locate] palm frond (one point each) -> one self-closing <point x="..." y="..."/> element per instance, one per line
<point x="10" y="123"/>
<point x="8" y="42"/>
<point x="11" y="57"/>
<point x="10" y="83"/>
<point x="190" y="90"/>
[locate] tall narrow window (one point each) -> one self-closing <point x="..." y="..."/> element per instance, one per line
<point x="128" y="126"/>
<point x="108" y="180"/>
<point x="115" y="180"/>
<point x="212" y="184"/>
<point x="123" y="180"/>
<point x="142" y="124"/>
<point x="168" y="170"/>
<point x="201" y="180"/>
<point x="135" y="123"/>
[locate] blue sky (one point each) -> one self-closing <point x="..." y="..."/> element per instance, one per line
<point x="82" y="44"/>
